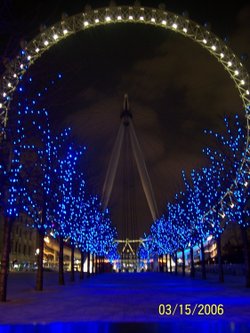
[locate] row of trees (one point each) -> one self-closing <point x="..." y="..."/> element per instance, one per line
<point x="41" y="176"/>
<point x="208" y="202"/>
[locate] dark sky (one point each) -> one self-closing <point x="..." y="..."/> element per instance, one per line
<point x="176" y="88"/>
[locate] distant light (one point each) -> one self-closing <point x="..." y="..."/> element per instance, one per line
<point x="47" y="240"/>
<point x="232" y="205"/>
<point x="246" y="183"/>
<point x="164" y="22"/>
<point x="21" y="66"/>
<point x="14" y="75"/>
<point x="97" y="20"/>
<point x="37" y="50"/>
<point x="65" y="31"/>
<point x="209" y="238"/>
<point x="204" y="41"/>
<point x="9" y="85"/>
<point x="119" y="18"/>
<point x="4" y="94"/>
<point x="247" y="92"/>
<point x="185" y="30"/>
<point x="229" y="63"/>
<point x="86" y="23"/>
<point x="153" y="19"/>
<point x="175" y="25"/>
<point x="141" y="18"/>
<point x="222" y="55"/>
<point x="236" y="72"/>
<point x="108" y="18"/>
<point x="1" y="105"/>
<point x="130" y="17"/>
<point x="46" y="43"/>
<point x="29" y="57"/>
<point x="55" y="36"/>
<point x="213" y="47"/>
<point x="242" y="82"/>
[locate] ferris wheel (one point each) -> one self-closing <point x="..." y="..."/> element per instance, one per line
<point x="113" y="14"/>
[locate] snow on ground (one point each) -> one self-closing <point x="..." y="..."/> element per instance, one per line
<point x="127" y="297"/>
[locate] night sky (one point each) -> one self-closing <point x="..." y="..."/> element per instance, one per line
<point x="176" y="88"/>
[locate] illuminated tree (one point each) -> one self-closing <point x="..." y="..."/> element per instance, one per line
<point x="64" y="203"/>
<point x="228" y="157"/>
<point x="10" y="194"/>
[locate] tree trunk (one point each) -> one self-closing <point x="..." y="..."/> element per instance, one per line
<point x="246" y="255"/>
<point x="82" y="265"/>
<point x="203" y="264"/>
<point x="165" y="263"/>
<point x="176" y="264"/>
<point x="170" y="263"/>
<point x="95" y="263"/>
<point x="192" y="269"/>
<point x="88" y="266"/>
<point x="39" y="274"/>
<point x="220" y="264"/>
<point x="72" y="271"/>
<point x="8" y="223"/>
<point x="61" y="269"/>
<point x="103" y="265"/>
<point x="183" y="262"/>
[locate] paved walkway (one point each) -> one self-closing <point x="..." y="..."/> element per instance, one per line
<point x="126" y="298"/>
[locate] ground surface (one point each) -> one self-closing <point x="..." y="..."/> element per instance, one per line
<point x="126" y="298"/>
